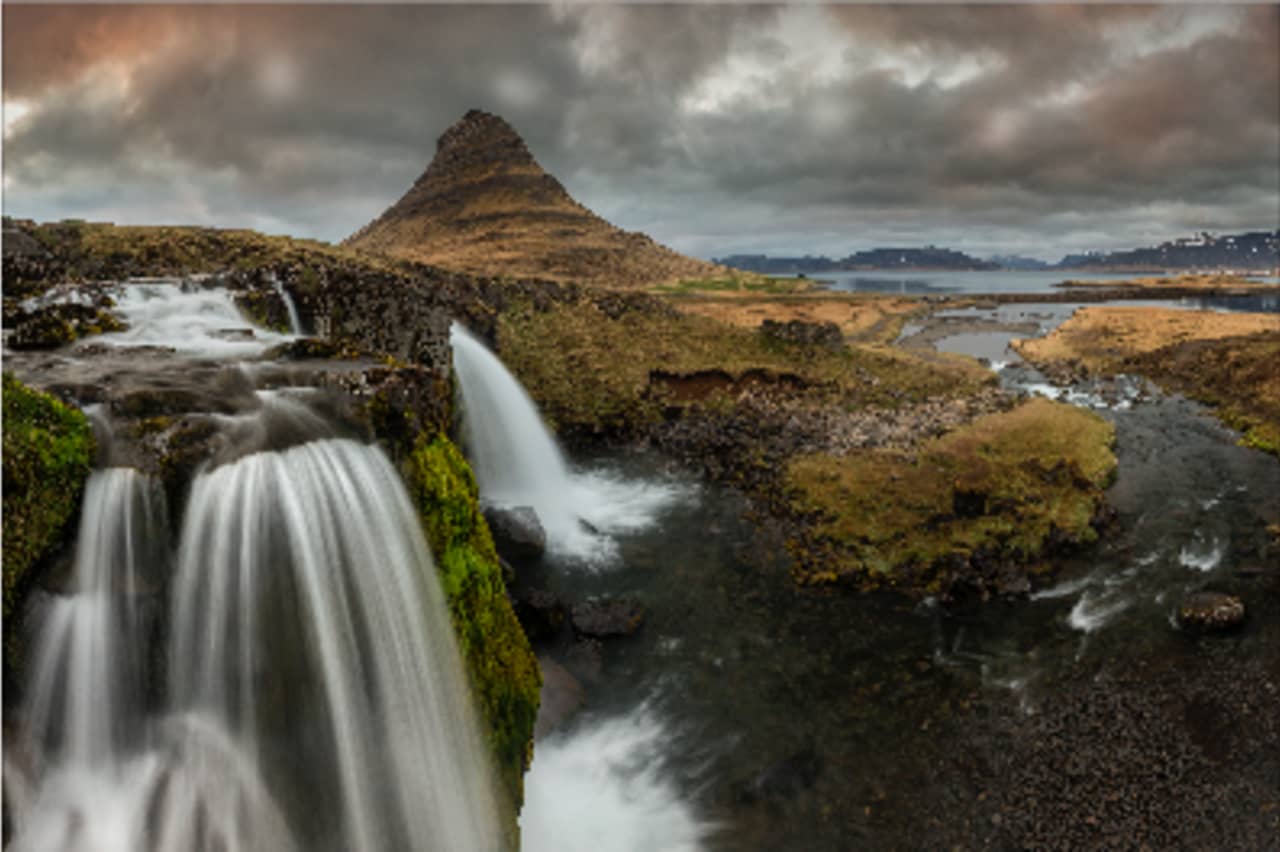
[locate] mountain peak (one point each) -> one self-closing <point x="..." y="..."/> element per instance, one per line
<point x="485" y="206"/>
<point x="480" y="135"/>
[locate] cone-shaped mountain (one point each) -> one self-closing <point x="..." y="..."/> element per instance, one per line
<point x="485" y="206"/>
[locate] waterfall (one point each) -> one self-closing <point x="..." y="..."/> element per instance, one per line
<point x="295" y="323"/>
<point x="89" y="657"/>
<point x="518" y="463"/>
<point x="310" y="561"/>
<point x="316" y="696"/>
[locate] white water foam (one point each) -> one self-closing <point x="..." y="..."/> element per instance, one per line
<point x="1201" y="557"/>
<point x="1091" y="613"/>
<point x="518" y="463"/>
<point x="602" y="789"/>
<point x="189" y="319"/>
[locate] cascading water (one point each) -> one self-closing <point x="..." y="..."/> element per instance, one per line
<point x="316" y="697"/>
<point x="84" y="701"/>
<point x="518" y="463"/>
<point x="295" y="323"/>
<point x="309" y="562"/>
<point x="189" y="319"/>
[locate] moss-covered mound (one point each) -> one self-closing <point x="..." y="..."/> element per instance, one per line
<point x="1000" y="491"/>
<point x="504" y="672"/>
<point x="48" y="449"/>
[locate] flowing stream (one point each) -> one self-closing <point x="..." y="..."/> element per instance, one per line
<point x="749" y="714"/>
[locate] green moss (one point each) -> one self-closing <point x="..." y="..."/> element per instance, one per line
<point x="1007" y="485"/>
<point x="504" y="672"/>
<point x="48" y="449"/>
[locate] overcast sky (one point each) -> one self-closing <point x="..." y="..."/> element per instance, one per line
<point x="716" y="129"/>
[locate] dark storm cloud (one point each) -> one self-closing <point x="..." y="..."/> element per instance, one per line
<point x="716" y="128"/>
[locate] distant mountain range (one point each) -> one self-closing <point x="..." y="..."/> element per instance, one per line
<point x="1256" y="251"/>
<point x="929" y="257"/>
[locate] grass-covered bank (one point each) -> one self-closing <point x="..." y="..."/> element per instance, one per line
<point x="597" y="373"/>
<point x="1227" y="361"/>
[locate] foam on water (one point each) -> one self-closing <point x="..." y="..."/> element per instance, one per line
<point x="1200" y="556"/>
<point x="603" y="789"/>
<point x="1092" y="612"/>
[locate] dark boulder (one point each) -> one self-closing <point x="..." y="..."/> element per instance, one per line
<point x="1211" y="611"/>
<point x="607" y="618"/>
<point x="542" y="615"/>
<point x="517" y="533"/>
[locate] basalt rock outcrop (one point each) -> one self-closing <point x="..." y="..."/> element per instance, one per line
<point x="485" y="206"/>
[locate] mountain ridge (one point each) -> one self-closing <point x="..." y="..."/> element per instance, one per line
<point x="485" y="206"/>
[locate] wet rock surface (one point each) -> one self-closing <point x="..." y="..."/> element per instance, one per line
<point x="562" y="696"/>
<point x="542" y="614"/>
<point x="517" y="533"/>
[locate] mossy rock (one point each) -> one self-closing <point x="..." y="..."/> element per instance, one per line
<point x="1007" y="488"/>
<point x="57" y="325"/>
<point x="48" y="450"/>
<point x="504" y="672"/>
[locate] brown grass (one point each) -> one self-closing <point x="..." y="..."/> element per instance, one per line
<point x="1100" y="338"/>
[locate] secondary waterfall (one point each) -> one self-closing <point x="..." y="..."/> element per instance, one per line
<point x="518" y="463"/>
<point x="295" y="323"/>
<point x="89" y="665"/>
<point x="316" y="698"/>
